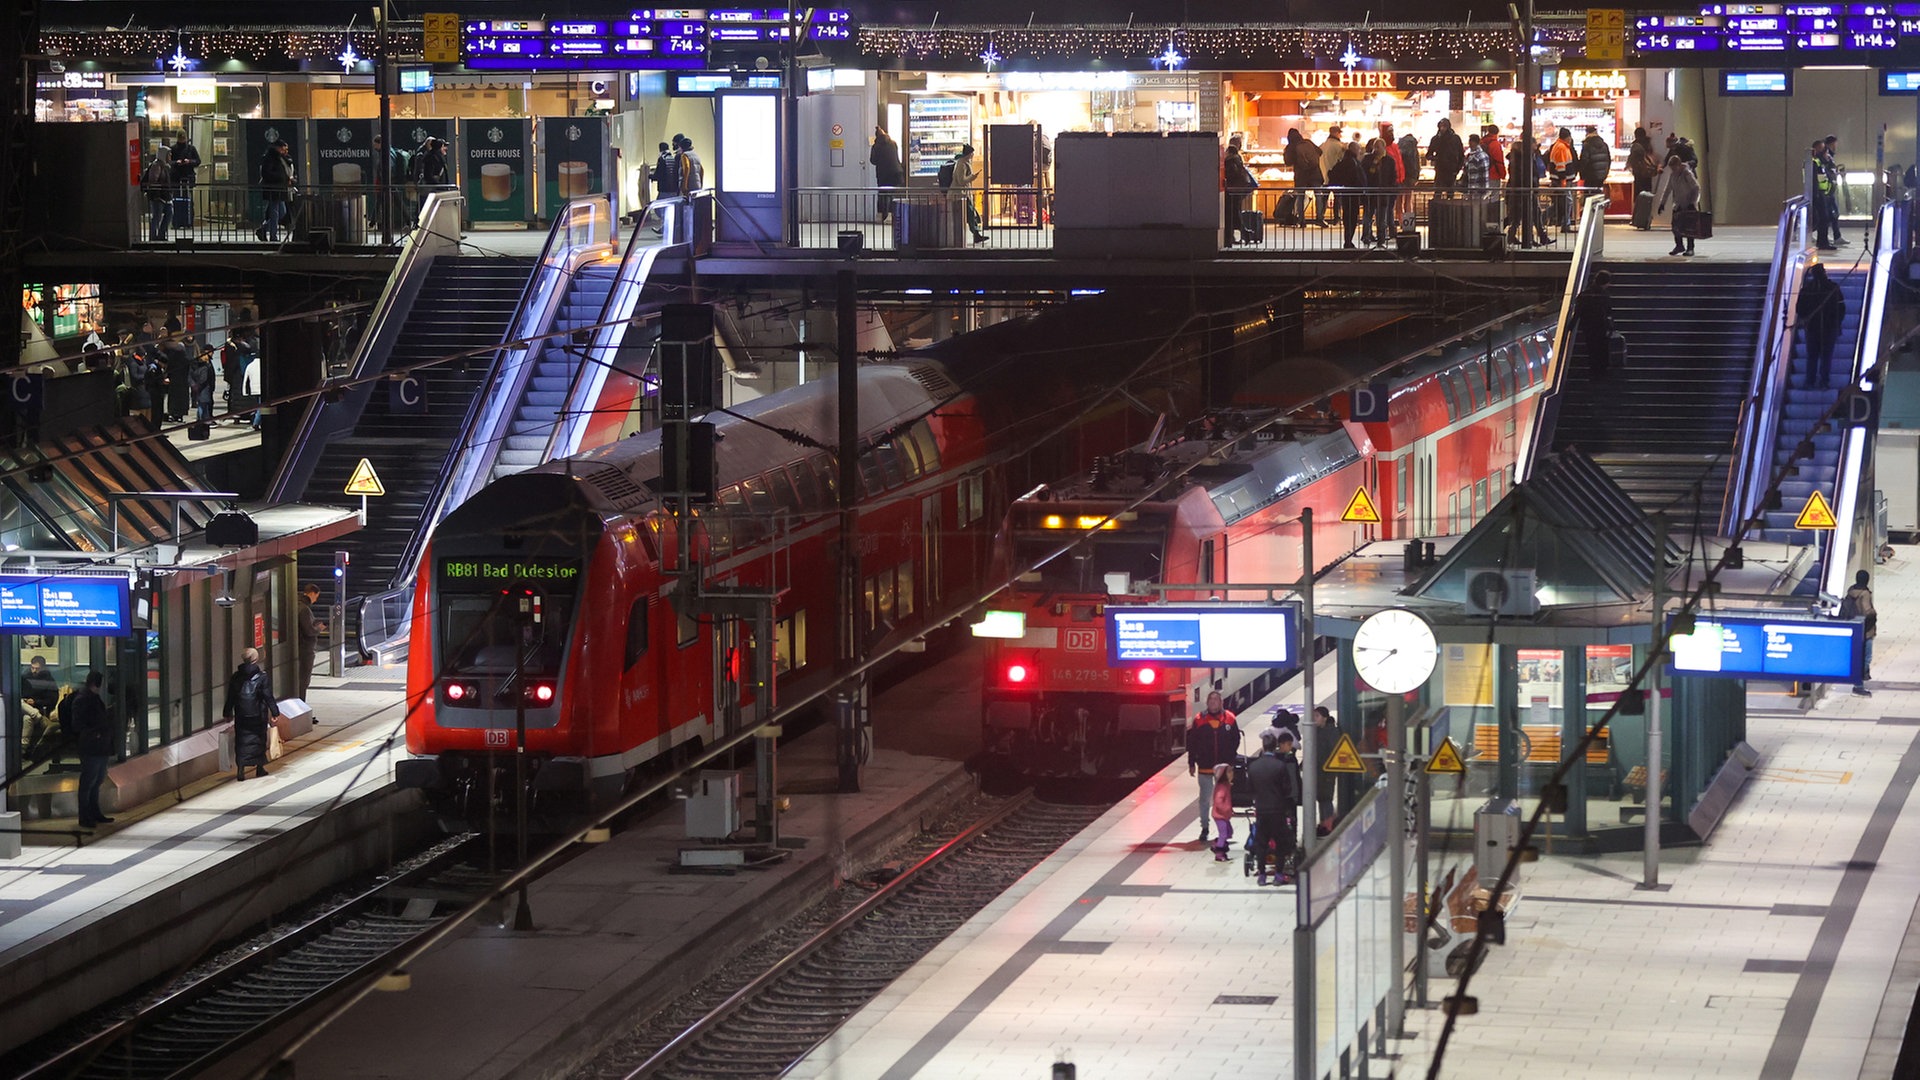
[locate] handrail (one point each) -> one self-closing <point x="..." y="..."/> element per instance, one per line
<point x="436" y="234"/>
<point x="1546" y="409"/>
<point x="1837" y="571"/>
<point x="1759" y="423"/>
<point x="636" y="267"/>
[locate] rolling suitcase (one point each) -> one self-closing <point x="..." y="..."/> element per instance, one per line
<point x="1643" y="211"/>
<point x="183" y="212"/>
<point x="199" y="432"/>
<point x="1251" y="226"/>
<point x="1616" y="351"/>
<point x="1286" y="209"/>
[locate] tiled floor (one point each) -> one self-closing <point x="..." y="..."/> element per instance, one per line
<point x="1767" y="954"/>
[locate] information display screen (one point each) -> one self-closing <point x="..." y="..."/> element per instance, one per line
<point x="51" y="604"/>
<point x="1900" y="82"/>
<point x="1809" y="30"/>
<point x="1756" y="82"/>
<point x="661" y="39"/>
<point x="1771" y="647"/>
<point x="492" y="571"/>
<point x="1264" y="636"/>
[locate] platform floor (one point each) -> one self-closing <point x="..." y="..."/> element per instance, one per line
<point x="1785" y="947"/>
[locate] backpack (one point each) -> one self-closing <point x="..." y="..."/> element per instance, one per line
<point x="1850" y="609"/>
<point x="946" y="176"/>
<point x="157" y="181"/>
<point x="1409" y="155"/>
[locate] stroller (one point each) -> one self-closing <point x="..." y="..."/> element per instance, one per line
<point x="1243" y="797"/>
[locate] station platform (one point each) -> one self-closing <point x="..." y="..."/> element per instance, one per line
<point x="1787" y="946"/>
<point x="85" y="920"/>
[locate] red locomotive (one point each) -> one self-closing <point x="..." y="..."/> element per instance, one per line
<point x="1052" y="706"/>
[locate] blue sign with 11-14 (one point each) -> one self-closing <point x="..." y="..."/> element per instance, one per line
<point x="88" y="606"/>
<point x="1773" y="647"/>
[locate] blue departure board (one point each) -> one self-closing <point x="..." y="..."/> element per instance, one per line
<point x="1263" y="636"/>
<point x="1774" y="647"/>
<point x="661" y="39"/>
<point x="1759" y="30"/>
<point x="53" y="604"/>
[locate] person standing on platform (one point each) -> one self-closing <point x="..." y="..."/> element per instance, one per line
<point x="156" y="184"/>
<point x="1332" y="151"/>
<point x="885" y="155"/>
<point x="1349" y="183"/>
<point x="1642" y="162"/>
<point x="692" y="174"/>
<point x="1684" y="192"/>
<point x="1308" y="174"/>
<point x="176" y="361"/>
<point x="1820" y="220"/>
<point x="1275" y="783"/>
<point x="1478" y="168"/>
<point x="93" y="730"/>
<point x="200" y="380"/>
<point x="1326" y="735"/>
<point x="1409" y="161"/>
<point x="1239" y="184"/>
<point x="251" y="707"/>
<point x="1222" y="810"/>
<point x="1830" y="147"/>
<point x="310" y="630"/>
<point x="1447" y="155"/>
<point x="1820" y="311"/>
<point x="1376" y="225"/>
<point x="276" y="188"/>
<point x="1596" y="161"/>
<point x="1595" y="311"/>
<point x="186" y="164"/>
<point x="964" y="175"/>
<point x="1212" y="739"/>
<point x="1858" y="604"/>
<point x="1563" y="167"/>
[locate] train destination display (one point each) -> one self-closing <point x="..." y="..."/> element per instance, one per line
<point x="51" y="604"/>
<point x="1731" y="31"/>
<point x="1264" y="636"/>
<point x="648" y="39"/>
<point x="1778" y="647"/>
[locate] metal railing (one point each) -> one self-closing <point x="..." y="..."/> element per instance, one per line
<point x="227" y="213"/>
<point x="1759" y="424"/>
<point x="438" y="233"/>
<point x="1546" y="409"/>
<point x="1289" y="220"/>
<point x="1837" y="571"/>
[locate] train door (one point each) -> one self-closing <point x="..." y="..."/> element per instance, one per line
<point x="931" y="529"/>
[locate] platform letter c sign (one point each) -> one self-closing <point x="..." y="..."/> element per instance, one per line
<point x="407" y="396"/>
<point x="25" y="392"/>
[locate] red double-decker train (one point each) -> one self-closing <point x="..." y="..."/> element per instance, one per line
<point x="1221" y="504"/>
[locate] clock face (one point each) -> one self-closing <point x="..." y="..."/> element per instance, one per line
<point x="1394" y="651"/>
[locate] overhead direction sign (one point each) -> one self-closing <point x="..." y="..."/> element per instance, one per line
<point x="364" y="480"/>
<point x="1446" y="759"/>
<point x="1817" y="514"/>
<point x="1345" y="757"/>
<point x="1360" y="508"/>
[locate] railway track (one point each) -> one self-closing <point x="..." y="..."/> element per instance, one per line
<point x="187" y="1031"/>
<point x="778" y="1017"/>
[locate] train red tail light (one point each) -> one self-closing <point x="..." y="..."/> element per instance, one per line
<point x="541" y="693"/>
<point x="1146" y="676"/>
<point x="1018" y="673"/>
<point x="461" y="693"/>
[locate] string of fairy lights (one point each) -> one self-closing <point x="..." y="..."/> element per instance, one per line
<point x="1209" y="47"/>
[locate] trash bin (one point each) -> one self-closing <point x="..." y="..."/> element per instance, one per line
<point x="927" y="223"/>
<point x="1454" y="223"/>
<point x="345" y="215"/>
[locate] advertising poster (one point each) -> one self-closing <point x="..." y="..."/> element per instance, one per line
<point x="255" y="137"/>
<point x="494" y="172"/>
<point x="342" y="154"/>
<point x="573" y="157"/>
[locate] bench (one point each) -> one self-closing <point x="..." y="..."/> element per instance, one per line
<point x="1544" y="740"/>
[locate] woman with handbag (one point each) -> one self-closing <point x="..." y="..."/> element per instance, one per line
<point x="1683" y="189"/>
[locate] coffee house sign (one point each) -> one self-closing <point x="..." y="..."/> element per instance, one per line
<point x="1334" y="82"/>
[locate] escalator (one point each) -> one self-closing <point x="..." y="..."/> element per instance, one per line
<point x="554" y="364"/>
<point x="1802" y="410"/>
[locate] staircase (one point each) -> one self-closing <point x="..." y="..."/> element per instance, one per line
<point x="1666" y="424"/>
<point x="1801" y="412"/>
<point x="554" y="365"/>
<point x="464" y="305"/>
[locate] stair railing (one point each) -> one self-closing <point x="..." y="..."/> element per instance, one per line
<point x="1836" y="572"/>
<point x="1766" y="395"/>
<point x="1546" y="408"/>
<point x="436" y="234"/>
<point x="590" y="376"/>
<point x="583" y="230"/>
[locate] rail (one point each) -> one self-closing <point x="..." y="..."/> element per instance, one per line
<point x="1767" y="386"/>
<point x="1290" y="221"/>
<point x="1837" y="570"/>
<point x="1546" y="409"/>
<point x="231" y="214"/>
<point x="437" y="233"/>
<point x="578" y="231"/>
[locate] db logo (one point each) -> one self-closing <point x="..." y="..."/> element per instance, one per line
<point x="1082" y="640"/>
<point x="496" y="738"/>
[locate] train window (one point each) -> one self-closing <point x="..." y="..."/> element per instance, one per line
<point x="719" y="529"/>
<point x="909" y="455"/>
<point x="872" y="480"/>
<point x="636" y="631"/>
<point x="1206" y="561"/>
<point x="484" y="637"/>
<point x="758" y="499"/>
<point x="790" y="643"/>
<point x="976" y="507"/>
<point x="1495" y="483"/>
<point x="884" y="594"/>
<point x="890" y="466"/>
<point x="1403" y="482"/>
<point x="1453" y="405"/>
<point x="1475" y="378"/>
<point x="828" y="470"/>
<point x="922" y="436"/>
<point x="1503" y="373"/>
<point x="1453" y="515"/>
<point x="1537" y="361"/>
<point x="783" y="493"/>
<point x="903" y="588"/>
<point x="871" y="588"/>
<point x="1466" y="508"/>
<point x="689" y="627"/>
<point x="1479" y="499"/>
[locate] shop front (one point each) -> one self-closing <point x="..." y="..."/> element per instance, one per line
<point x="1608" y="100"/>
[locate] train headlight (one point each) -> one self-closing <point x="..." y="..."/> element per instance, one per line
<point x="1146" y="676"/>
<point x="1018" y="673"/>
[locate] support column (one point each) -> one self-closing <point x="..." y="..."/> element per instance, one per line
<point x="850" y="711"/>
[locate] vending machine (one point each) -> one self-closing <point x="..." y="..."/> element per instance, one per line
<point x="938" y="125"/>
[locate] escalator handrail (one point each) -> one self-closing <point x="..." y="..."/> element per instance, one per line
<point x="1586" y="251"/>
<point x="437" y="233"/>
<point x="1837" y="568"/>
<point x="1767" y="382"/>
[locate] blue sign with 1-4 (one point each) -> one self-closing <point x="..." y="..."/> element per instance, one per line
<point x="1778" y="647"/>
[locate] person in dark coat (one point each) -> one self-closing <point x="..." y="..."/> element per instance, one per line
<point x="1643" y="162"/>
<point x="1523" y="206"/>
<point x="1239" y="183"/>
<point x="1820" y="311"/>
<point x="1596" y="161"/>
<point x="885" y="155"/>
<point x="177" y="361"/>
<point x="39" y="695"/>
<point x="276" y="188"/>
<point x="1347" y="179"/>
<point x="1595" y="311"/>
<point x="93" y="730"/>
<point x="1275" y="783"/>
<point x="1212" y="739"/>
<point x="1304" y="157"/>
<point x="1447" y="155"/>
<point x="200" y="380"/>
<point x="1683" y="189"/>
<point x="1326" y="735"/>
<point x="310" y="628"/>
<point x="156" y="386"/>
<point x="186" y="164"/>
<point x="251" y="707"/>
<point x="1383" y="181"/>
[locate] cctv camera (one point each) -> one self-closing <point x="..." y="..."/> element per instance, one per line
<point x="224" y="600"/>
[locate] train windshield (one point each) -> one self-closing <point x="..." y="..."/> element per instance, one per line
<point x="489" y="634"/>
<point x="1085" y="568"/>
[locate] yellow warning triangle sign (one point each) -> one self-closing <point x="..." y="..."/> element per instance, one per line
<point x="1817" y="514"/>
<point x="364" y="480"/>
<point x="1345" y="758"/>
<point x="1446" y="759"/>
<point x="1360" y="508"/>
